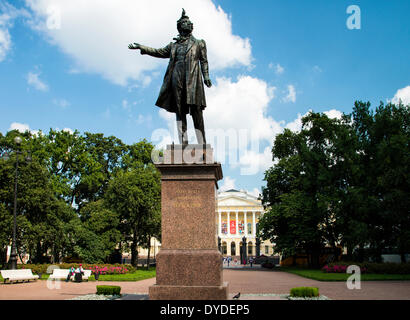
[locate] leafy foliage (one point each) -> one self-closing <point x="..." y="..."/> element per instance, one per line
<point x="341" y="182"/>
<point x="63" y="208"/>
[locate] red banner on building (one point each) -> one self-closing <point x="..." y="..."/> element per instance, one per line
<point x="233" y="227"/>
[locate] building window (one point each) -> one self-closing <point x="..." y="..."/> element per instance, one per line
<point x="249" y="228"/>
<point x="224" y="248"/>
<point x="250" y="248"/>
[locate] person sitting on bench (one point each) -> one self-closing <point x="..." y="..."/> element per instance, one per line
<point x="79" y="272"/>
<point x="70" y="273"/>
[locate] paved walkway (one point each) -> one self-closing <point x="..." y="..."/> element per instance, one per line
<point x="253" y="284"/>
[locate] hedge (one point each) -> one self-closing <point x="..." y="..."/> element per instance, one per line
<point x="103" y="268"/>
<point x="268" y="265"/>
<point x="109" y="290"/>
<point x="304" y="292"/>
<point x="371" y="267"/>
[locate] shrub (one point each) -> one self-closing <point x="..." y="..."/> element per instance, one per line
<point x="304" y="292"/>
<point x="370" y="267"/>
<point x="35" y="268"/>
<point x="109" y="290"/>
<point x="100" y="268"/>
<point x="268" y="265"/>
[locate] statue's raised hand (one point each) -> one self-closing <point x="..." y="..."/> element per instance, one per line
<point x="134" y="46"/>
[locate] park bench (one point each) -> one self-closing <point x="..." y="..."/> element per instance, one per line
<point x="61" y="274"/>
<point x="18" y="275"/>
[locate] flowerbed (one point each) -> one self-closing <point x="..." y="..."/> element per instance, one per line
<point x="339" y="269"/>
<point x="108" y="269"/>
<point x="101" y="268"/>
<point x="369" y="267"/>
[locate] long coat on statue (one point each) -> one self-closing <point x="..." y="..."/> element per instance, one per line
<point x="195" y="62"/>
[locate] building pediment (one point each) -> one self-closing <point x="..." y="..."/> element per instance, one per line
<point x="233" y="201"/>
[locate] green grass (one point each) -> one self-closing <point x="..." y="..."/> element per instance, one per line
<point x="322" y="276"/>
<point x="138" y="275"/>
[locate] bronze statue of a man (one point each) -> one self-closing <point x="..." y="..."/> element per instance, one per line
<point x="182" y="91"/>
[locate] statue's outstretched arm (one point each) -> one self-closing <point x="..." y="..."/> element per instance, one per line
<point x="158" y="53"/>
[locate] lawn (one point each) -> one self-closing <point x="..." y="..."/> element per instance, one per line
<point x="138" y="275"/>
<point x="322" y="276"/>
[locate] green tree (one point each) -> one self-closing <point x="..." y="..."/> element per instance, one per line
<point x="102" y="221"/>
<point x="135" y="195"/>
<point x="302" y="192"/>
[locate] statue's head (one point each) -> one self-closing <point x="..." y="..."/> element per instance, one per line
<point x="184" y="25"/>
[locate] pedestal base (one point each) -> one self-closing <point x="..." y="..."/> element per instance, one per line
<point x="161" y="292"/>
<point x="189" y="265"/>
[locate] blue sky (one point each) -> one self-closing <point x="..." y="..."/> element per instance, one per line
<point x="65" y="65"/>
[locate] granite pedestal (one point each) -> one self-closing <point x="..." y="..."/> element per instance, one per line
<point x="189" y="265"/>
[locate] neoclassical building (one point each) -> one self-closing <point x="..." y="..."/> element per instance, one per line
<point x="238" y="214"/>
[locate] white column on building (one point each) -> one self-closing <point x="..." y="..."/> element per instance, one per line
<point x="237" y="224"/>
<point x="253" y="224"/>
<point x="246" y="223"/>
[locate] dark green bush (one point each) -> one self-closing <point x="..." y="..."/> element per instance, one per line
<point x="268" y="265"/>
<point x="378" y="268"/>
<point x="42" y="268"/>
<point x="304" y="292"/>
<point x="109" y="290"/>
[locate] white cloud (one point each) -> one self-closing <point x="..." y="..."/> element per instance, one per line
<point x="228" y="184"/>
<point x="291" y="97"/>
<point x="5" y="39"/>
<point x="402" y="95"/>
<point x="296" y="125"/>
<point x="69" y="130"/>
<point x="62" y="103"/>
<point x="241" y="105"/>
<point x="253" y="162"/>
<point x="277" y="68"/>
<point x="34" y="81"/>
<point x="96" y="34"/>
<point x="255" y="192"/>
<point x="22" y="128"/>
<point x="8" y="14"/>
<point x="334" y="114"/>
<point x="317" y="69"/>
<point x="233" y="108"/>
<point x="125" y="105"/>
<point x="142" y="119"/>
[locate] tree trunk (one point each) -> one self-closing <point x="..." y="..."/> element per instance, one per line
<point x="134" y="250"/>
<point x="149" y="251"/>
<point x="3" y="257"/>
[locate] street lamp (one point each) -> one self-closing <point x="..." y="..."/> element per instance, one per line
<point x="13" y="253"/>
